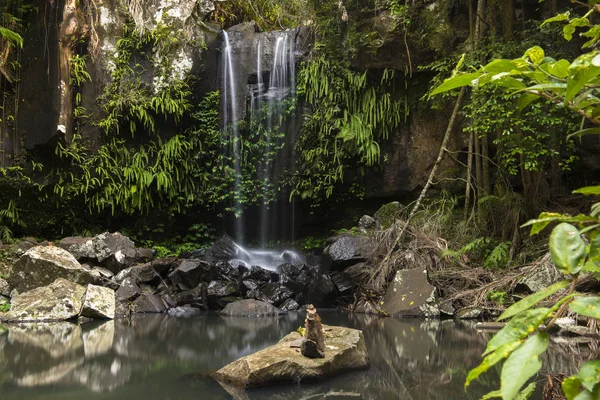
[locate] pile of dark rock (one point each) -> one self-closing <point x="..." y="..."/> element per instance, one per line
<point x="203" y="280"/>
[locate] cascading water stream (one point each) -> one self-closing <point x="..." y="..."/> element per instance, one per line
<point x="230" y="117"/>
<point x="281" y="86"/>
<point x="270" y="121"/>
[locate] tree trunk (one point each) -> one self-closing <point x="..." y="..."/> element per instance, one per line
<point x="478" y="166"/>
<point x="485" y="161"/>
<point x="480" y="24"/>
<point x="507" y="17"/>
<point x="469" y="177"/>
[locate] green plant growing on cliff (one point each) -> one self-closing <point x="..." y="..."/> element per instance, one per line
<point x="352" y="113"/>
<point x="4" y="307"/>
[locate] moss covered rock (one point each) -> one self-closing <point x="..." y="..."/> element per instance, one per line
<point x="62" y="300"/>
<point x="388" y="213"/>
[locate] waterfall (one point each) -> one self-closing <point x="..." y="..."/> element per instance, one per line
<point x="230" y="117"/>
<point x="281" y="86"/>
<point x="267" y="119"/>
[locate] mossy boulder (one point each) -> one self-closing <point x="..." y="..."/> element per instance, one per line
<point x="345" y="350"/>
<point x="388" y="214"/>
<point x="60" y="301"/>
<point x="99" y="302"/>
<point x="42" y="265"/>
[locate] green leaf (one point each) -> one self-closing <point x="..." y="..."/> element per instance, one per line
<point x="557" y="18"/>
<point x="492" y="395"/>
<point x="537" y="225"/>
<point x="567" y="248"/>
<point x="589" y="374"/>
<point x="581" y="77"/>
<point x="571" y="387"/>
<point x="560" y="69"/>
<point x="535" y="54"/>
<point x="587" y="131"/>
<point x="587" y="305"/>
<point x="532" y="300"/>
<point x="589" y="190"/>
<point x="526" y="99"/>
<point x="500" y="65"/>
<point x="522" y="364"/>
<point x="492" y="359"/>
<point x="518" y="327"/>
<point x="11" y="36"/>
<point x="457" y="81"/>
<point x="587" y="395"/>
<point x="527" y="392"/>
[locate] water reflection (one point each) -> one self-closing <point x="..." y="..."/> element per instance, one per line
<point x="160" y="356"/>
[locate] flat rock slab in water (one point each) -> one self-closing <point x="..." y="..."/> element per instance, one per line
<point x="345" y="350"/>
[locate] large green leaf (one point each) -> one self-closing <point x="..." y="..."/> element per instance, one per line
<point x="526" y="99"/>
<point x="589" y="190"/>
<point x="532" y="300"/>
<point x="588" y="306"/>
<point x="571" y="387"/>
<point x="537" y="225"/>
<point x="492" y="359"/>
<point x="567" y="248"/>
<point x="518" y="327"/>
<point x="535" y="54"/>
<point x="500" y="65"/>
<point x="581" y="78"/>
<point x="11" y="36"/>
<point x="589" y="374"/>
<point x="522" y="364"/>
<point x="457" y="81"/>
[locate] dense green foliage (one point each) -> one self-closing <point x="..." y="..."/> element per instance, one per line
<point x="351" y="116"/>
<point x="570" y="85"/>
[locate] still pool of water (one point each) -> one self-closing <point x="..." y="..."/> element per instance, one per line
<point x="166" y="357"/>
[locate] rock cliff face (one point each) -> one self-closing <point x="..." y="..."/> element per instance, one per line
<point x="47" y="111"/>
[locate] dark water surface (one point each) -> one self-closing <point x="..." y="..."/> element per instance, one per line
<point x="165" y="357"/>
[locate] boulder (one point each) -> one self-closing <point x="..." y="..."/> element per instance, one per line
<point x="260" y="274"/>
<point x="411" y="294"/>
<point x="194" y="297"/>
<point x="82" y="248"/>
<point x="190" y="273"/>
<point x="367" y="224"/>
<point x="274" y="293"/>
<point x="143" y="273"/>
<point x="250" y="308"/>
<point x="163" y="265"/>
<point x="347" y="250"/>
<point x="217" y="289"/>
<point x="114" y="251"/>
<point x="61" y="300"/>
<point x="224" y="248"/>
<point x="345" y="350"/>
<point x="289" y="305"/>
<point x="543" y="276"/>
<point x="468" y="313"/>
<point x="388" y="213"/>
<point x="4" y="288"/>
<point x="144" y="254"/>
<point x="128" y="290"/>
<point x="342" y="281"/>
<point x="322" y="292"/>
<point x="42" y="265"/>
<point x="149" y="303"/>
<point x="99" y="302"/>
